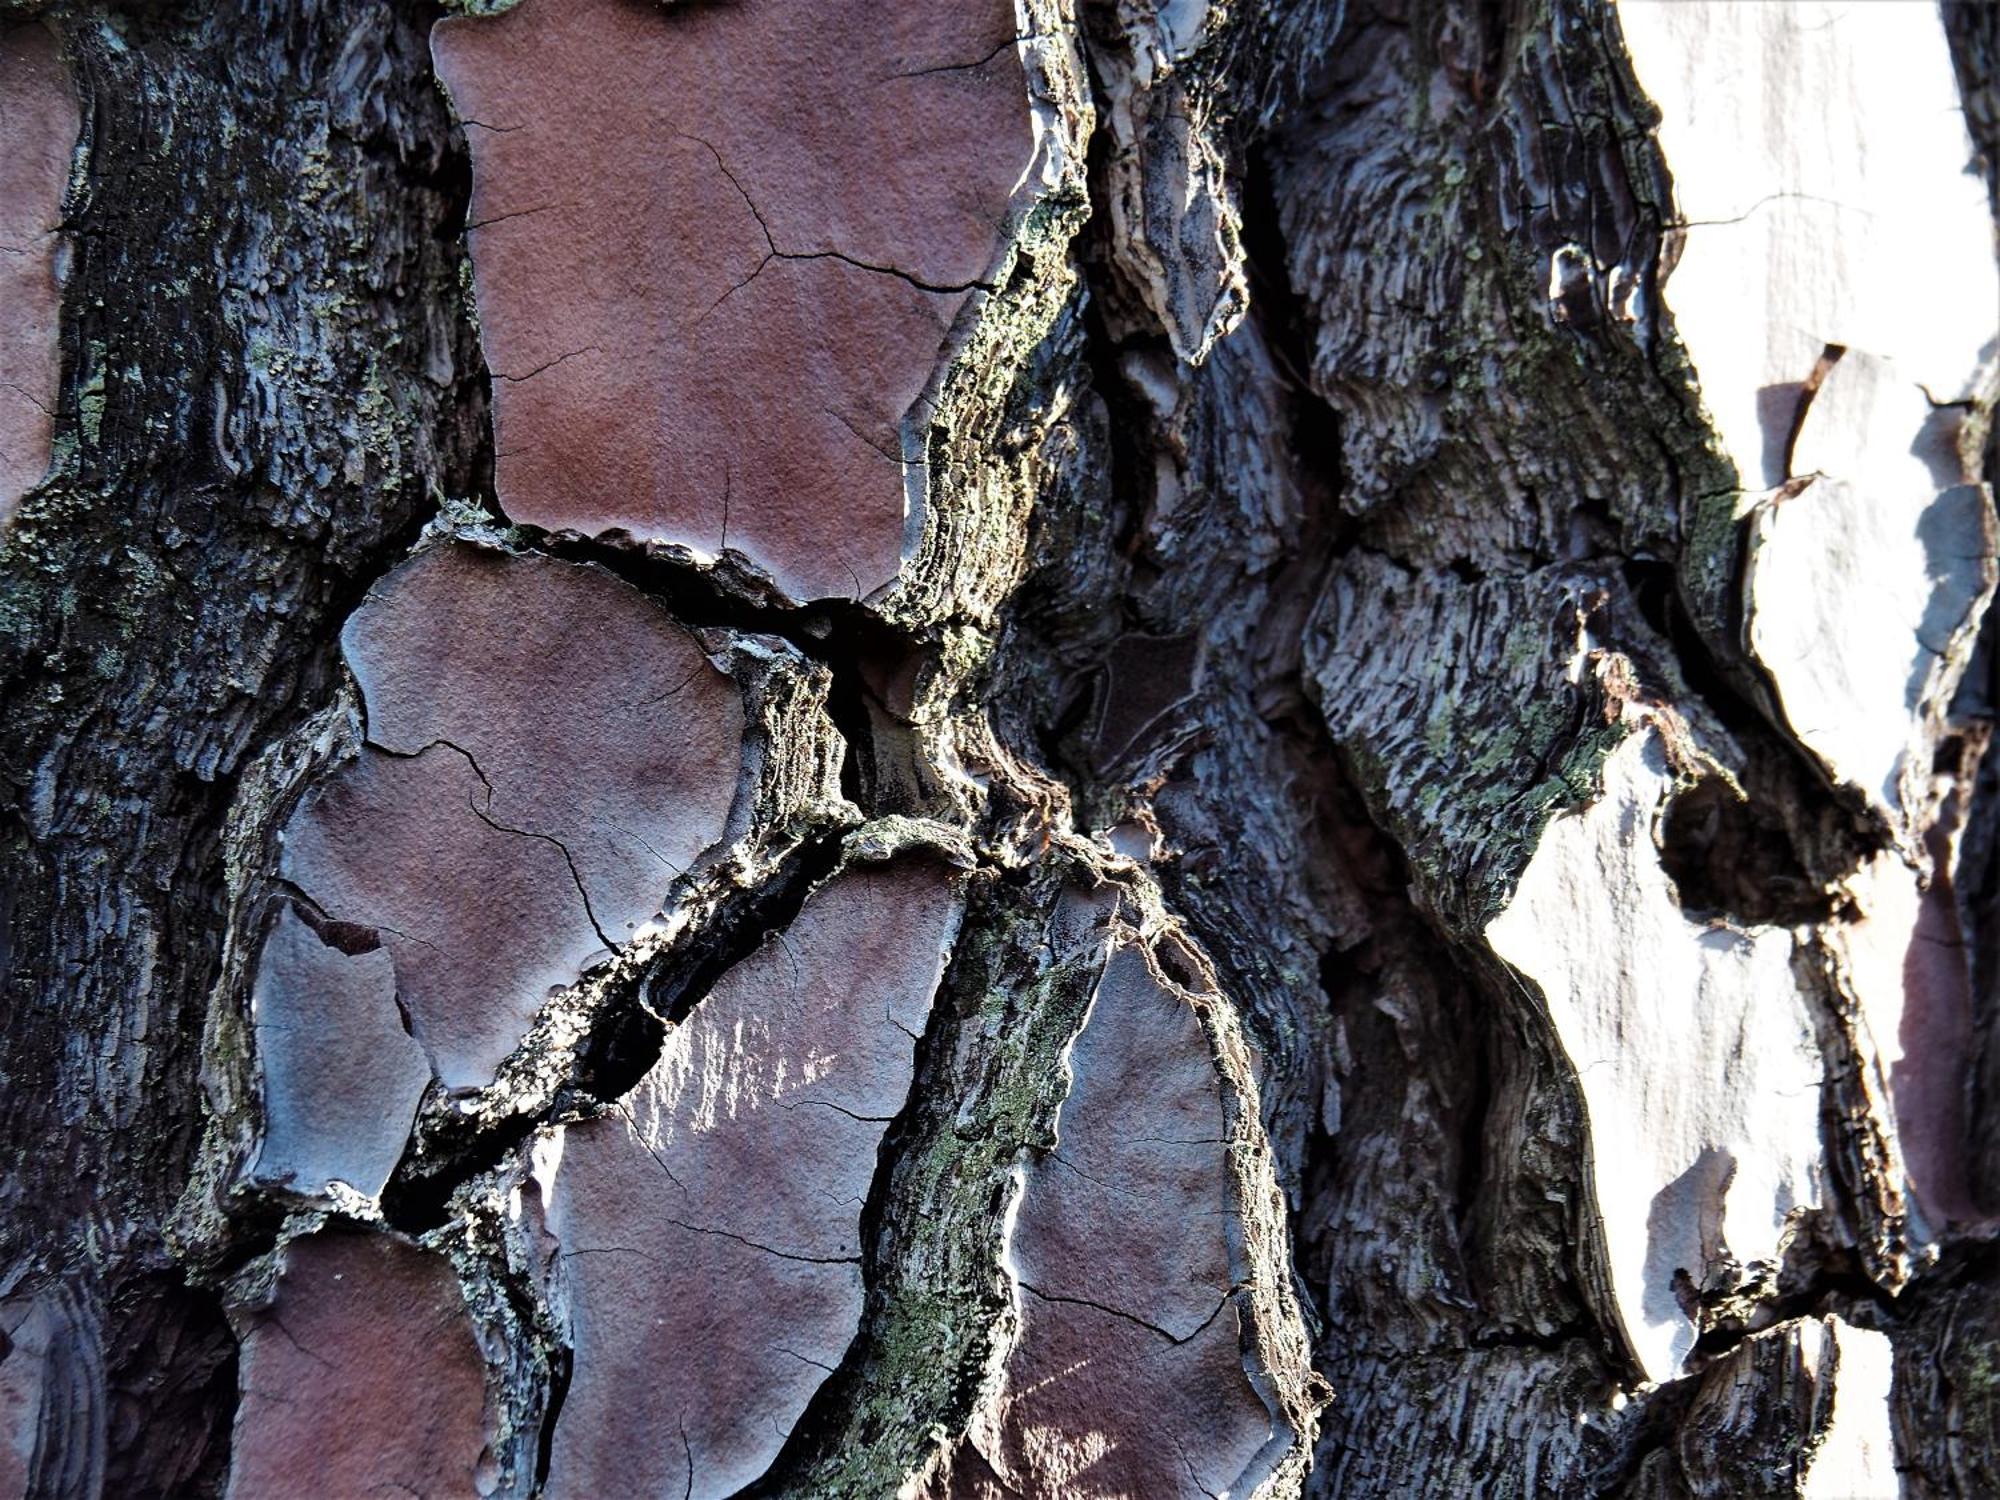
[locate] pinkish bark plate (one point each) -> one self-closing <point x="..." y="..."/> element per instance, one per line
<point x="1128" y="1377"/>
<point x="362" y="1378"/>
<point x="718" y="250"/>
<point x="547" y="751"/>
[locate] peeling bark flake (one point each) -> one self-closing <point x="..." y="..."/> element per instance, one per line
<point x="1866" y="584"/>
<point x="1693" y="1050"/>
<point x="341" y="1076"/>
<point x="709" y="1227"/>
<point x="547" y="753"/>
<point x="362" y="1377"/>
<point x="1128" y="1376"/>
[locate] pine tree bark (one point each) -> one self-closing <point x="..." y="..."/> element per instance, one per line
<point x="1060" y="748"/>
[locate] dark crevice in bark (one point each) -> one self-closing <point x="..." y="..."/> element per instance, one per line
<point x="166" y="1385"/>
<point x="1065" y="722"/>
<point x="1976" y="886"/>
<point x="1836" y="1283"/>
<point x="881" y="759"/>
<point x="1770" y="854"/>
<point x="1290" y="327"/>
<point x="1585" y="1331"/>
<point x="1946" y="1409"/>
<point x="1731" y="855"/>
<point x="1656" y="1428"/>
<point x="561" y="1367"/>
<point x="1474" y="1129"/>
<point x="846" y="638"/>
<point x="1816" y="840"/>
<point x="720" y="595"/>
<point x="622" y="1046"/>
<point x="1654" y="587"/>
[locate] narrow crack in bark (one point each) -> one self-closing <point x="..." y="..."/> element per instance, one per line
<point x="623" y="1044"/>
<point x="841" y="635"/>
<point x="1155" y="1329"/>
<point x="774" y="253"/>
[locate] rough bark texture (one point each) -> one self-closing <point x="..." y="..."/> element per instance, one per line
<point x="1064" y="749"/>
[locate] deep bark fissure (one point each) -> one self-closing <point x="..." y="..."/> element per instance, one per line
<point x="627" y="1033"/>
<point x="841" y="635"/>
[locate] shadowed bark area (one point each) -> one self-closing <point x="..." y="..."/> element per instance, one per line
<point x="1133" y="750"/>
<point x="266" y="378"/>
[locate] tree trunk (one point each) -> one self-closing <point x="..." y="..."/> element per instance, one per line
<point x="1059" y="749"/>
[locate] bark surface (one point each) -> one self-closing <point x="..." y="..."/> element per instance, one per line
<point x="1053" y="749"/>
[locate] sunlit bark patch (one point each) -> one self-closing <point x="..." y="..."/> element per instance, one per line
<point x="1128" y="1376"/>
<point x="1833" y="285"/>
<point x="718" y="250"/>
<point x="1866" y="581"/>
<point x="709" y="1227"/>
<point x="1902" y="959"/>
<point x="1693" y="1050"/>
<point x="1818" y="155"/>
<point x="1818" y="1386"/>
